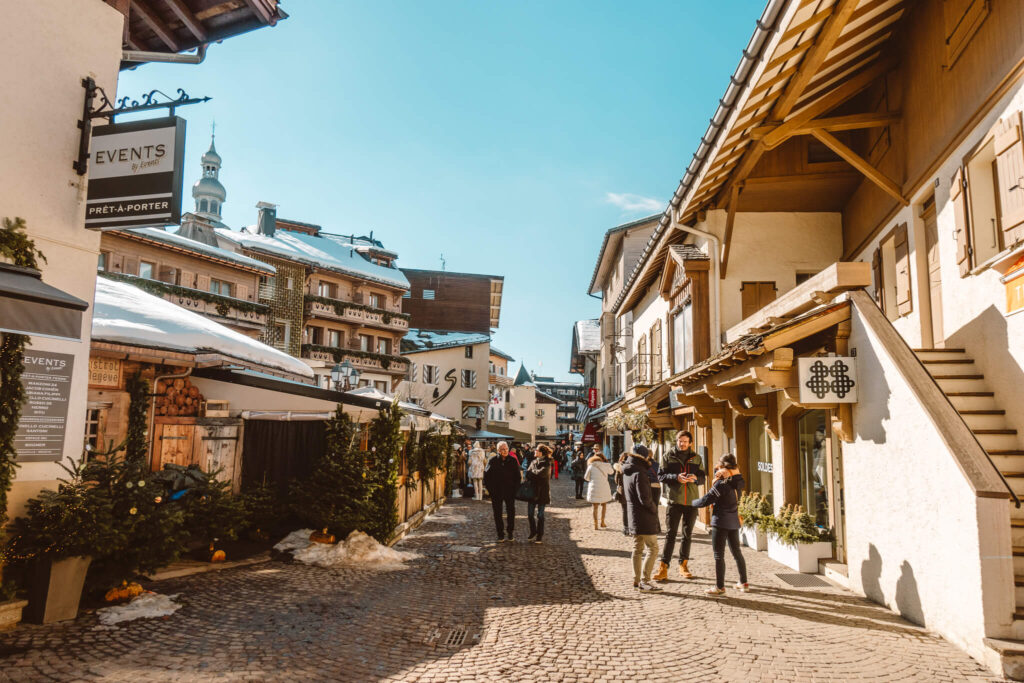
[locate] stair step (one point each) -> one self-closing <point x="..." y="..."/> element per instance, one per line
<point x="994" y="431"/>
<point x="989" y="394"/>
<point x="961" y="384"/>
<point x="954" y="350"/>
<point x="947" y="361"/>
<point x="1017" y="523"/>
<point x="965" y="403"/>
<point x="938" y="377"/>
<point x="1010" y="451"/>
<point x="982" y="412"/>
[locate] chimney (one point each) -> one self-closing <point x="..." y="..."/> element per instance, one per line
<point x="266" y="224"/>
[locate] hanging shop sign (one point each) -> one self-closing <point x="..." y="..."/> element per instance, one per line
<point x="44" y="416"/>
<point x="135" y="177"/>
<point x="592" y="397"/>
<point x="827" y="379"/>
<point x="590" y="433"/>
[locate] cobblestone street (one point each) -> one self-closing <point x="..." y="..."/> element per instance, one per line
<point x="471" y="610"/>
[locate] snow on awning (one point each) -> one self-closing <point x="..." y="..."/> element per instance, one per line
<point x="124" y="314"/>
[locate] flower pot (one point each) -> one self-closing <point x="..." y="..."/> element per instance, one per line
<point x="10" y="613"/>
<point x="803" y="557"/>
<point x="753" y="538"/>
<point x="55" y="588"/>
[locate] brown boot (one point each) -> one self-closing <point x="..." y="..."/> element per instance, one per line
<point x="662" y="573"/>
<point x="684" y="571"/>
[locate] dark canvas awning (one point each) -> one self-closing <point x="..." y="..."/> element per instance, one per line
<point x="30" y="306"/>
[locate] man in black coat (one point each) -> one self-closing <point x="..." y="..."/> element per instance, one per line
<point x="502" y="479"/>
<point x="641" y="516"/>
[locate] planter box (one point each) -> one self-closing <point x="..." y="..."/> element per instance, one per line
<point x="752" y="538"/>
<point x="803" y="557"/>
<point x="55" y="589"/>
<point x="10" y="613"/>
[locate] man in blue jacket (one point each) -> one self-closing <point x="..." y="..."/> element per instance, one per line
<point x="681" y="474"/>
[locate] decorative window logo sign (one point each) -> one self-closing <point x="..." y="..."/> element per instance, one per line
<point x="828" y="379"/>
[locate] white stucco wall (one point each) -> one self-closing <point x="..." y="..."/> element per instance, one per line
<point x="973" y="307"/>
<point x="647" y="312"/>
<point x="523" y="401"/>
<point x="448" y="359"/>
<point x="918" y="539"/>
<point x="48" y="47"/>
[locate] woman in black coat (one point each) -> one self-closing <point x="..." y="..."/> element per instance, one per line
<point x="725" y="522"/>
<point x="539" y="474"/>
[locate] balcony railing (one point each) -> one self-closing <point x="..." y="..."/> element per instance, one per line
<point x="364" y="360"/>
<point x="223" y="309"/>
<point x="357" y="314"/>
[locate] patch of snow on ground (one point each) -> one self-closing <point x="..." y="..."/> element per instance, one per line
<point x="358" y="550"/>
<point x="145" y="606"/>
<point x="442" y="518"/>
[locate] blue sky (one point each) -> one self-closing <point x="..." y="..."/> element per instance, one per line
<point x="507" y="136"/>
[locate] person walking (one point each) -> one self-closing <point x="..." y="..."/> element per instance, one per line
<point x="554" y="466"/>
<point x="599" y="491"/>
<point x="502" y="479"/>
<point x="539" y="474"/>
<point x="578" y="467"/>
<point x="642" y="516"/>
<point x="477" y="462"/>
<point x="725" y="522"/>
<point x="681" y="474"/>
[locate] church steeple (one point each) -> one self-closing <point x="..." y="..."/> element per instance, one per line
<point x="208" y="192"/>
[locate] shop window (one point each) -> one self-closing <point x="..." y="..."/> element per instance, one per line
<point x="891" y="268"/>
<point x="812" y="432"/>
<point x="759" y="458"/>
<point x="756" y="295"/>
<point x="962" y="19"/>
<point x="431" y="374"/>
<point x="146" y="269"/>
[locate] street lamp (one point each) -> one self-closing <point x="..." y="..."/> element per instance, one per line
<point x="344" y="372"/>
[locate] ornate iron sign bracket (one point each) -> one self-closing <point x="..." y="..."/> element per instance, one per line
<point x="125" y="105"/>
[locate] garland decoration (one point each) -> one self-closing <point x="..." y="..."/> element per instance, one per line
<point x="19" y="249"/>
<point x="340" y="306"/>
<point x="338" y="354"/>
<point x="223" y="303"/>
<point x="138" y="412"/>
<point x="635" y="422"/>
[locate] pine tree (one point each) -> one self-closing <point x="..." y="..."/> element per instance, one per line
<point x="382" y="472"/>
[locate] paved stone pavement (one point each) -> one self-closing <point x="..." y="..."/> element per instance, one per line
<point x="472" y="610"/>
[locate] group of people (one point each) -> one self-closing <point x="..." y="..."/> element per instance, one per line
<point x="637" y="482"/>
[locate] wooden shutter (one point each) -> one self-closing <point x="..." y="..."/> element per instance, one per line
<point x="670" y="345"/>
<point x="1010" y="169"/>
<point x="876" y="270"/>
<point x="904" y="300"/>
<point x="116" y="264"/>
<point x="167" y="274"/>
<point x="203" y="283"/>
<point x="131" y="265"/>
<point x="242" y="292"/>
<point x="187" y="279"/>
<point x="656" y="352"/>
<point x="472" y="379"/>
<point x="748" y="296"/>
<point x="765" y="293"/>
<point x="958" y="195"/>
<point x="962" y="20"/>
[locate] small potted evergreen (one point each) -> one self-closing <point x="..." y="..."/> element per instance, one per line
<point x="795" y="540"/>
<point x="756" y="512"/>
<point x="10" y="606"/>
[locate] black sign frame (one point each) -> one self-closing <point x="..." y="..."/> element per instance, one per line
<point x="120" y="189"/>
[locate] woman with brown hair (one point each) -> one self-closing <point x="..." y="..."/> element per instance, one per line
<point x="725" y="522"/>
<point x="539" y="474"/>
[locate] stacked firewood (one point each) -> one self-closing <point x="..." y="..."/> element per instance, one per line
<point x="177" y="398"/>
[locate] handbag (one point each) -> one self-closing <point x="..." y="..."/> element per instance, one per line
<point x="525" y="491"/>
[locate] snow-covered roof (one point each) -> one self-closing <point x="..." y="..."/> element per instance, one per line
<point x="160" y="235"/>
<point x="332" y="252"/>
<point x="418" y="341"/>
<point x="495" y="351"/>
<point x="123" y="314"/>
<point x="588" y="336"/>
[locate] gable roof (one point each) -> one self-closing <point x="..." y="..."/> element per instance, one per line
<point x="201" y="249"/>
<point x="610" y="236"/>
<point x="501" y="354"/>
<point x="418" y="341"/>
<point x="523" y="378"/>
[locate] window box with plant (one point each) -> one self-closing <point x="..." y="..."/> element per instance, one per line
<point x="795" y="541"/>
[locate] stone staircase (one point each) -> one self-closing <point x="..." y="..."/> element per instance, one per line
<point x="959" y="379"/>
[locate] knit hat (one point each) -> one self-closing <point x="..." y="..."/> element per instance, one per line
<point x="642" y="451"/>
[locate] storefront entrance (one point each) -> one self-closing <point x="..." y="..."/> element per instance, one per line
<point x="820" y="466"/>
<point x="759" y="459"/>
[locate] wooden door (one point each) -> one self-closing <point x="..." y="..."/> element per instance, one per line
<point x="173" y="445"/>
<point x="217" y="450"/>
<point x="931" y="233"/>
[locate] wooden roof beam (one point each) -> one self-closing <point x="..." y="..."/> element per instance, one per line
<point x="190" y="20"/>
<point x="862" y="165"/>
<point x="827" y="37"/>
<point x="152" y="20"/>
<point x="730" y="220"/>
<point x="833" y="123"/>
